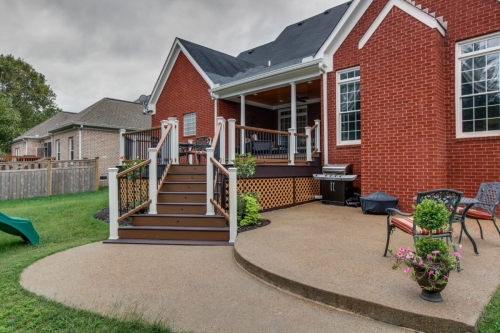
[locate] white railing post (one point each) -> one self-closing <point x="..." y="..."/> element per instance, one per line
<point x="231" y="136"/>
<point x="153" y="180"/>
<point x="317" y="137"/>
<point x="308" y="144"/>
<point x="164" y="148"/>
<point x="190" y="148"/>
<point x="291" y="146"/>
<point x="233" y="216"/>
<point x="174" y="142"/>
<point x="222" y="139"/>
<point x="113" y="203"/>
<point x="163" y="124"/>
<point x="122" y="146"/>
<point x="210" y="181"/>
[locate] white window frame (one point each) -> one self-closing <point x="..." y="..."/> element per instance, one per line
<point x="58" y="150"/>
<point x="185" y="127"/>
<point x="338" y="113"/>
<point x="16" y="151"/>
<point x="458" y="83"/>
<point x="71" y="150"/>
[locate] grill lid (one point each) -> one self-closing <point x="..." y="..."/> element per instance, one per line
<point x="338" y="169"/>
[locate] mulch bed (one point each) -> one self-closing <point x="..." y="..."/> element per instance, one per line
<point x="103" y="215"/>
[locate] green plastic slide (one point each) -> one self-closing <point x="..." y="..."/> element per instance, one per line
<point x="19" y="227"/>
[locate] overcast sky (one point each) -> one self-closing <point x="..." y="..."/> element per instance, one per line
<point x="90" y="49"/>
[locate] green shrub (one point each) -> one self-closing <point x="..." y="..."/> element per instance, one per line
<point x="426" y="245"/>
<point x="248" y="209"/>
<point x="431" y="214"/>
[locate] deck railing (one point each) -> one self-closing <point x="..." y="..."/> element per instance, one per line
<point x="136" y="144"/>
<point x="11" y="158"/>
<point x="135" y="189"/>
<point x="263" y="144"/>
<point x="218" y="177"/>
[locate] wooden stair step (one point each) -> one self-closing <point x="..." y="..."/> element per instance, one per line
<point x="180" y="197"/>
<point x="181" y="208"/>
<point x="184" y="186"/>
<point x="166" y="242"/>
<point x="175" y="233"/>
<point x="187" y="220"/>
<point x="186" y="177"/>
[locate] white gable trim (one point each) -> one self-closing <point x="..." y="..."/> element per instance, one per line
<point x="351" y="17"/>
<point x="408" y="8"/>
<point x="167" y="69"/>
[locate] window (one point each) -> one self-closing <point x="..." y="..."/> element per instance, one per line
<point x="190" y="124"/>
<point x="285" y="122"/>
<point x="58" y="150"/>
<point x="478" y="87"/>
<point x="348" y="107"/>
<point x="47" y="148"/>
<point x="16" y="151"/>
<point x="70" y="148"/>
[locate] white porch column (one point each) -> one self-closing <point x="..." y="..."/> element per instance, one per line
<point x="153" y="179"/>
<point x="242" y="123"/>
<point x="222" y="139"/>
<point x="164" y="149"/>
<point x="317" y="135"/>
<point x="233" y="217"/>
<point x="231" y="139"/>
<point x="113" y="203"/>
<point x="210" y="181"/>
<point x="308" y="144"/>
<point x="122" y="146"/>
<point x="216" y="113"/>
<point x="294" y="105"/>
<point x="291" y="146"/>
<point x="190" y="156"/>
<point x="325" y="118"/>
<point x="174" y="149"/>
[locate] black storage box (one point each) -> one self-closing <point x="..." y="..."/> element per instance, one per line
<point x="378" y="202"/>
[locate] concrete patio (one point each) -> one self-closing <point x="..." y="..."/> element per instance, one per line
<point x="329" y="254"/>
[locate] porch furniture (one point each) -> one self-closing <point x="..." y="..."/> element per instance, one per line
<point x="460" y="217"/>
<point x="258" y="147"/>
<point x="200" y="147"/>
<point x="451" y="198"/>
<point x="185" y="150"/>
<point x="486" y="206"/>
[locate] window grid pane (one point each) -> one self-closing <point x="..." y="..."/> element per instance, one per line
<point x="190" y="124"/>
<point x="480" y="81"/>
<point x="350" y="109"/>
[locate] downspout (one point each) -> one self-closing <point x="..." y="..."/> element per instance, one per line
<point x="80" y="142"/>
<point x="25" y="147"/>
<point x="325" y="118"/>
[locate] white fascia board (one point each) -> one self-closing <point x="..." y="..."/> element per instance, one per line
<point x="408" y="8"/>
<point x="351" y="17"/>
<point x="167" y="69"/>
<point x="273" y="79"/>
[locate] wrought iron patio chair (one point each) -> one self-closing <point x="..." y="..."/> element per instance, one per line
<point x="451" y="198"/>
<point x="487" y="208"/>
<point x="200" y="148"/>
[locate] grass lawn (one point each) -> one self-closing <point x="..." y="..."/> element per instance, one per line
<point x="63" y="222"/>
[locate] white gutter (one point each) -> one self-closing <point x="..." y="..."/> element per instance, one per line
<point x="80" y="142"/>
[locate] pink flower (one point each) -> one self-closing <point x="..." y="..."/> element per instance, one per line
<point x="435" y="252"/>
<point x="401" y="249"/>
<point x="446" y="277"/>
<point x="431" y="272"/>
<point x="460" y="246"/>
<point x="421" y="262"/>
<point x="407" y="269"/>
<point x="400" y="254"/>
<point x="429" y="256"/>
<point x="410" y="255"/>
<point x="457" y="255"/>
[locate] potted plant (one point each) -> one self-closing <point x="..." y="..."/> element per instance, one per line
<point x="432" y="261"/>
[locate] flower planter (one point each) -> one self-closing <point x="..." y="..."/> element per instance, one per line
<point x="431" y="291"/>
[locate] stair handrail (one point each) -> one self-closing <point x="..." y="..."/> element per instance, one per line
<point x="130" y="190"/>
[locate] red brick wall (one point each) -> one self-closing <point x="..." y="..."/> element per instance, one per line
<point x="184" y="92"/>
<point x="469" y="161"/>
<point x="408" y="103"/>
<point x="403" y="147"/>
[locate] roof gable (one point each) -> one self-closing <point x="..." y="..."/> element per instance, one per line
<point x="299" y="40"/>
<point x="409" y="7"/>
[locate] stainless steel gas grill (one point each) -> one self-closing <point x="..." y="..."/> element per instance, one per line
<point x="336" y="183"/>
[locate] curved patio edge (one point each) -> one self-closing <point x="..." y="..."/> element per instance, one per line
<point x="361" y="307"/>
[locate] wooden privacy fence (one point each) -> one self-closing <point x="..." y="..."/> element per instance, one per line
<point x="44" y="178"/>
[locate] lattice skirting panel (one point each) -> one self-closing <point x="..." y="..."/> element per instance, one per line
<point x="133" y="191"/>
<point x="280" y="192"/>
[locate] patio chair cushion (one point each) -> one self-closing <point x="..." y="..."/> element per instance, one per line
<point x="406" y="224"/>
<point x="477" y="214"/>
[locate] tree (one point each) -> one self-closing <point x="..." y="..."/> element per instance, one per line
<point x="31" y="99"/>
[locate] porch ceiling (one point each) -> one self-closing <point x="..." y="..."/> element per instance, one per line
<point x="279" y="96"/>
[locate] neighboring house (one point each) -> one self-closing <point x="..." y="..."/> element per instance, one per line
<point x="93" y="132"/>
<point x="407" y="92"/>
